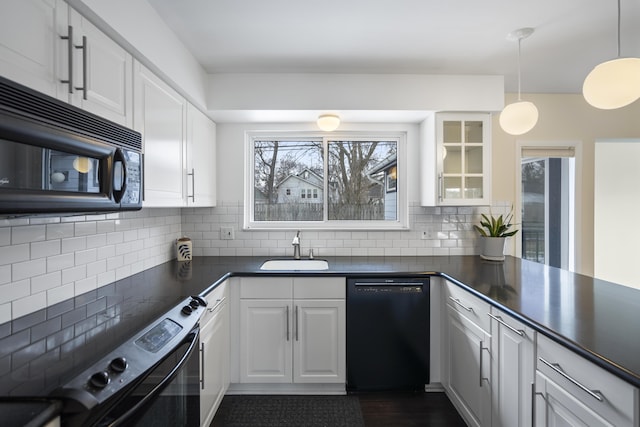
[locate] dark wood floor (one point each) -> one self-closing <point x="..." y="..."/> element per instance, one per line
<point x="409" y="410"/>
<point x="404" y="410"/>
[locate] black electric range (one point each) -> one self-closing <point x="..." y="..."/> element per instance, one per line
<point x="47" y="349"/>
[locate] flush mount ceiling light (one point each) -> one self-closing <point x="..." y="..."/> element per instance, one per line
<point x="613" y="84"/>
<point x="519" y="117"/>
<point x="328" y="122"/>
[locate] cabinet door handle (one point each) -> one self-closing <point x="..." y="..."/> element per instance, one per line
<point x="596" y="394"/>
<point x="502" y="322"/>
<point x="482" y="348"/>
<point x="69" y="39"/>
<point x="218" y="302"/>
<point x="287" y="323"/>
<point x="201" y="366"/>
<point x="193" y="185"/>
<point x="83" y="46"/>
<point x="457" y="301"/>
<point x="297" y="323"/>
<point x="533" y="404"/>
<point x="440" y="186"/>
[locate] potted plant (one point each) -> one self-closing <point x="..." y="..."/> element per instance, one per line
<point x="493" y="234"/>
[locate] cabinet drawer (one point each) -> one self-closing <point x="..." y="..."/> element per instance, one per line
<point x="588" y="382"/>
<point x="468" y="305"/>
<point x="319" y="287"/>
<point x="266" y="287"/>
<point x="215" y="299"/>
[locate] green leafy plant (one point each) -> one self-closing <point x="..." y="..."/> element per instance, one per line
<point x="496" y="226"/>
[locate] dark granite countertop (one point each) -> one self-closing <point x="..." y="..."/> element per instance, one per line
<point x="597" y="319"/>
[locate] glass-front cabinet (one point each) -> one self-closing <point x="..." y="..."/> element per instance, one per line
<point x="461" y="145"/>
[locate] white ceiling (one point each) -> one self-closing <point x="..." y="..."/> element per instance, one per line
<point x="407" y="36"/>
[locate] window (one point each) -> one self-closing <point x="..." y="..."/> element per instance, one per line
<point x="344" y="181"/>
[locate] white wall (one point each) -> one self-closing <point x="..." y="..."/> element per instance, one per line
<point x="617" y="203"/>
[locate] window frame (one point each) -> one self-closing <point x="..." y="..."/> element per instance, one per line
<point x="402" y="220"/>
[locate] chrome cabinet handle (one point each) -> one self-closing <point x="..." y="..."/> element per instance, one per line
<point x="596" y="394"/>
<point x="297" y="323"/>
<point x="202" y="366"/>
<point x="193" y="185"/>
<point x="69" y="39"/>
<point x="84" y="67"/>
<point x="533" y="404"/>
<point x="218" y="302"/>
<point x="502" y="322"/>
<point x="482" y="348"/>
<point x="457" y="301"/>
<point x="287" y="323"/>
<point x="440" y="186"/>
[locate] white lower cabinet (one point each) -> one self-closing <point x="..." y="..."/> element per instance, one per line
<point x="467" y="356"/>
<point x="292" y="330"/>
<point x="513" y="347"/>
<point x="571" y="391"/>
<point x="214" y="354"/>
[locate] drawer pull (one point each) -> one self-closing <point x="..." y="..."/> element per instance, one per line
<point x="502" y="322"/>
<point x="596" y="394"/>
<point x="287" y="323"/>
<point x="457" y="301"/>
<point x="218" y="302"/>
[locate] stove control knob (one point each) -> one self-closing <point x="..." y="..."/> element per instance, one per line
<point x="186" y="310"/>
<point x="100" y="379"/>
<point x="194" y="304"/>
<point x="119" y="364"/>
<point x="201" y="301"/>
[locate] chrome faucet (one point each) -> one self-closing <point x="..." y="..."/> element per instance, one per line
<point x="296" y="246"/>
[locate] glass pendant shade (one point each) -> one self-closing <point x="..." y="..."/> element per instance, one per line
<point x="613" y="84"/>
<point x="328" y="122"/>
<point x="519" y="118"/>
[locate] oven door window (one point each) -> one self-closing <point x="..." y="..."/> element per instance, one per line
<point x="28" y="167"/>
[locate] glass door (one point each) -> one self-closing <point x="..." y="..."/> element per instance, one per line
<point x="548" y="205"/>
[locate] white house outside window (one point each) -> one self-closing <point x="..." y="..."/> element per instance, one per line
<point x="314" y="181"/>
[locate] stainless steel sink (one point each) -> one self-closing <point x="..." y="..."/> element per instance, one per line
<point x="295" y="264"/>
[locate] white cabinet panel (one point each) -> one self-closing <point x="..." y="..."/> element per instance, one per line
<point x="468" y="368"/>
<point x="201" y="159"/>
<point x="214" y="353"/>
<point x="160" y="115"/>
<point x="31" y="50"/>
<point x="513" y="370"/>
<point x="266" y="346"/>
<point x="103" y="74"/>
<point x="319" y="349"/>
<point x="292" y="340"/>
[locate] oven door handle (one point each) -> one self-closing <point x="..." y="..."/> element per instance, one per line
<point x="193" y="339"/>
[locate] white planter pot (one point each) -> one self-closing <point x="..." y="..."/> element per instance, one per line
<point x="492" y="248"/>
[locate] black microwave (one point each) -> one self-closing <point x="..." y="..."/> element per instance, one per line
<point x="58" y="159"/>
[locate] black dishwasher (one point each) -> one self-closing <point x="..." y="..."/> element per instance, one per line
<point x="387" y="334"/>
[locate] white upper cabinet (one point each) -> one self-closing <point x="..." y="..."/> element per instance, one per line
<point x="32" y="52"/>
<point x="455" y="159"/>
<point x="201" y="159"/>
<point x="102" y="73"/>
<point x="160" y="116"/>
<point x="49" y="47"/>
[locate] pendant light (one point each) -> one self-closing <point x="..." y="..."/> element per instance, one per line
<point x="328" y="122"/>
<point x="615" y="83"/>
<point x="519" y="117"/>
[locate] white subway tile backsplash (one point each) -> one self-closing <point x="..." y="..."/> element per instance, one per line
<point x="14" y="253"/>
<point x="45" y="249"/>
<point x="26" y="269"/>
<point x="5" y="313"/>
<point x="27" y="234"/>
<point x="74" y="244"/>
<point x="15" y="290"/>
<point x="85" y="228"/>
<point x="5" y="236"/>
<point x="60" y="262"/>
<point x="28" y="304"/>
<point x="59" y="231"/>
<point x="5" y="274"/>
<point x="60" y="293"/>
<point x="46" y="282"/>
